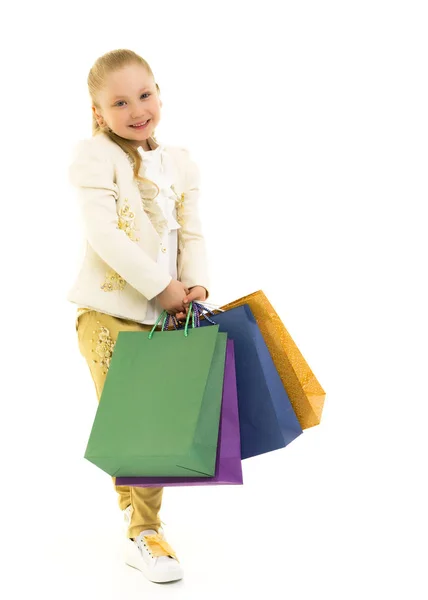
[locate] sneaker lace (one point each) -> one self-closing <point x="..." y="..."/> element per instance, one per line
<point x="158" y="546"/>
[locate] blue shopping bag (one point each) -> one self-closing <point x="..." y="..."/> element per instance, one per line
<point x="266" y="418"/>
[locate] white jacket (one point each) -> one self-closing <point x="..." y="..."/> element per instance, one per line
<point x="119" y="273"/>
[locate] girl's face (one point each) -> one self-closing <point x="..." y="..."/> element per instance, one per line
<point x="129" y="97"/>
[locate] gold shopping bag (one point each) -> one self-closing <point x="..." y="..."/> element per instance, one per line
<point x="304" y="391"/>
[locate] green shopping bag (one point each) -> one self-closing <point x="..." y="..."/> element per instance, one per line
<point x="159" y="410"/>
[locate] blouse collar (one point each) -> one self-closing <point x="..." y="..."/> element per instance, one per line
<point x="155" y="149"/>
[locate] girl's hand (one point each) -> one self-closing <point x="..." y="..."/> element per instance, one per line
<point x="173" y="296"/>
<point x="196" y="293"/>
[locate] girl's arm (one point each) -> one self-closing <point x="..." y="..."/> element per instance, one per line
<point x="97" y="194"/>
<point x="194" y="265"/>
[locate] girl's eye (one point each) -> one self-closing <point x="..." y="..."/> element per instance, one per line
<point x="145" y="94"/>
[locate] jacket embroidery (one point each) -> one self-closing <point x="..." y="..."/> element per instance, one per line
<point x="151" y="208"/>
<point x="126" y="221"/>
<point x="113" y="282"/>
<point x="179" y="208"/>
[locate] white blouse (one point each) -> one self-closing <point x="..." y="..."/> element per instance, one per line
<point x="162" y="212"/>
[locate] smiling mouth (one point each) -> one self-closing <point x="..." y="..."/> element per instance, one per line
<point x="140" y="126"/>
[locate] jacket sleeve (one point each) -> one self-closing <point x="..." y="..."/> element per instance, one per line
<point x="93" y="176"/>
<point x="194" y="258"/>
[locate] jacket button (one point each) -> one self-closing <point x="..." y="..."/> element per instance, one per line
<point x="179" y="251"/>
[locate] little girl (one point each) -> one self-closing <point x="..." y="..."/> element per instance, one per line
<point x="145" y="251"/>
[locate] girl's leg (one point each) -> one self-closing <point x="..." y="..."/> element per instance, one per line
<point x="97" y="334"/>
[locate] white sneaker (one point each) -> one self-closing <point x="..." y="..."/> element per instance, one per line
<point x="151" y="554"/>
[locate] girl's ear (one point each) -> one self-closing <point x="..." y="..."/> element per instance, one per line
<point x="97" y="116"/>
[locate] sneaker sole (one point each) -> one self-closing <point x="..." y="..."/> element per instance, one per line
<point x="134" y="559"/>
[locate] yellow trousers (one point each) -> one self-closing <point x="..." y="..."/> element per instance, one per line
<point x="97" y="334"/>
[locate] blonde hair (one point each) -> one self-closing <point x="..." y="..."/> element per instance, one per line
<point x="103" y="66"/>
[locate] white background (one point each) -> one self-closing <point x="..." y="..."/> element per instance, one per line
<point x="308" y="121"/>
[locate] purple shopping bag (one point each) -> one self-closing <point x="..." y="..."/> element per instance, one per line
<point x="228" y="465"/>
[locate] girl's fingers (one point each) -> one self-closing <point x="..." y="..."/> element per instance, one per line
<point x="183" y="314"/>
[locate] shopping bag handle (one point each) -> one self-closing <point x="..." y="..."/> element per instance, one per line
<point x="201" y="309"/>
<point x="166" y="322"/>
<point x="167" y="318"/>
